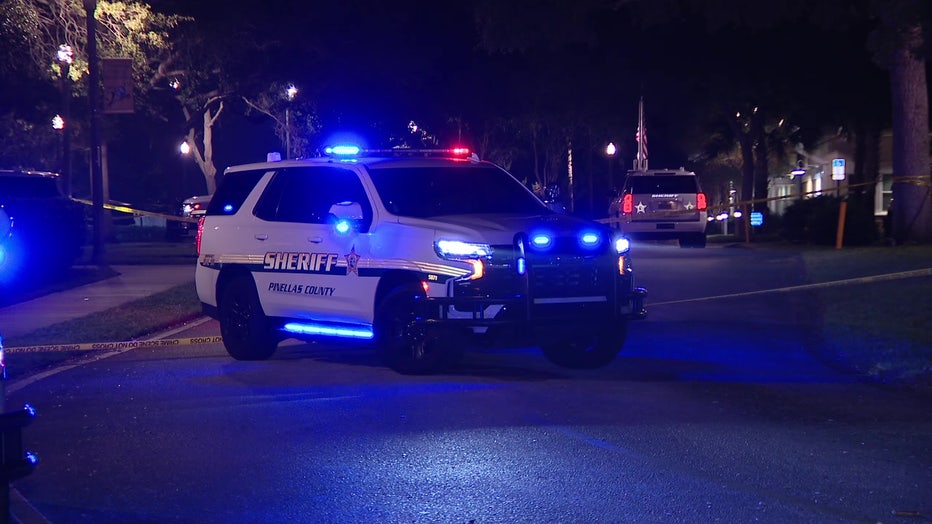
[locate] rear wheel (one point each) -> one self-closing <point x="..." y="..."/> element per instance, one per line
<point x="588" y="348"/>
<point x="243" y="325"/>
<point x="405" y="345"/>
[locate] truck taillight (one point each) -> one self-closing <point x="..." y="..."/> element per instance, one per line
<point x="627" y="204"/>
<point x="701" y="203"/>
<point x="200" y="233"/>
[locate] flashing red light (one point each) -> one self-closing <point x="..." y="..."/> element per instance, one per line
<point x="627" y="204"/>
<point x="200" y="233"/>
<point x="701" y="203"/>
<point x="460" y="151"/>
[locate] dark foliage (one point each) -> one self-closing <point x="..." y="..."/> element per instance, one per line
<point x="815" y="221"/>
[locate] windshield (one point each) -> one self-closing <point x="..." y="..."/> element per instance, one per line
<point x="452" y="190"/>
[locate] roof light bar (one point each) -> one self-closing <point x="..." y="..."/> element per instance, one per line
<point x="353" y="150"/>
<point x="342" y="150"/>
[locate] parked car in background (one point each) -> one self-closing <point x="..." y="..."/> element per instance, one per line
<point x="46" y="228"/>
<point x="191" y="208"/>
<point x="660" y="204"/>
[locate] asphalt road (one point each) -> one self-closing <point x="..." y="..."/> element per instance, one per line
<point x="717" y="410"/>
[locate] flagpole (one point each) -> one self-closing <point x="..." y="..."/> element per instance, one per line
<point x="640" y="160"/>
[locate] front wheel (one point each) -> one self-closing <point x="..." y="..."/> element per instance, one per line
<point x="588" y="348"/>
<point x="243" y="324"/>
<point x="406" y="345"/>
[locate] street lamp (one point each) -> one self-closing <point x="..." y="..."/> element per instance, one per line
<point x="185" y="149"/>
<point x="65" y="56"/>
<point x="610" y="151"/>
<point x="290" y="92"/>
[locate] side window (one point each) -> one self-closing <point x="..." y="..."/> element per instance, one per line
<point x="232" y="191"/>
<point x="305" y="195"/>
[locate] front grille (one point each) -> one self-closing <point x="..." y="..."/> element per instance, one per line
<point x="561" y="272"/>
<point x="568" y="277"/>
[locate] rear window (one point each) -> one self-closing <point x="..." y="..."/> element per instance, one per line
<point x="233" y="190"/>
<point x="662" y="184"/>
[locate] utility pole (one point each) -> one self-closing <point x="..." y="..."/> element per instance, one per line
<point x="93" y="97"/>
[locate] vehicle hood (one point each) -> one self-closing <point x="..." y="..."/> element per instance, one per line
<point x="501" y="228"/>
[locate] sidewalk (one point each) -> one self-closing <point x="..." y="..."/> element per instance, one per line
<point x="133" y="282"/>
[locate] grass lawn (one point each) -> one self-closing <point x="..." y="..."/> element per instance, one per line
<point x="132" y="321"/>
<point x="878" y="328"/>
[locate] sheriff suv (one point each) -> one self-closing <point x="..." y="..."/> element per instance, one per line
<point x="421" y="254"/>
<point x="660" y="204"/>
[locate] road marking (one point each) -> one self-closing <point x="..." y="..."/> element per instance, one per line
<point x="807" y="287"/>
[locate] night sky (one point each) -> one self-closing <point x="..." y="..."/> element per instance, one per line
<point x="370" y="67"/>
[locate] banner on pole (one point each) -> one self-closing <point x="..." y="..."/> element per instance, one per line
<point x="117" y="75"/>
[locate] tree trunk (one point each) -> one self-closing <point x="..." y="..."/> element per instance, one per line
<point x="912" y="187"/>
<point x="207" y="163"/>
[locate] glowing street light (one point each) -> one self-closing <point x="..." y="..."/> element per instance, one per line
<point x="65" y="54"/>
<point x="184" y="148"/>
<point x="58" y="122"/>
<point x="610" y="151"/>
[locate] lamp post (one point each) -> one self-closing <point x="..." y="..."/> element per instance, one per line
<point x="290" y="93"/>
<point x="610" y="151"/>
<point x="65" y="56"/>
<point x="185" y="149"/>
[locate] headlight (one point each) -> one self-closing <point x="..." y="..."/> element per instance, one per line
<point x="622" y="245"/>
<point x="589" y="239"/>
<point x="460" y="249"/>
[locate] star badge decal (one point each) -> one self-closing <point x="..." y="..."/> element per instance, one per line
<point x="352" y="262"/>
<point x="640" y="207"/>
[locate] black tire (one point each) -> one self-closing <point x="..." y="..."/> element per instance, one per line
<point x="696" y="240"/>
<point x="403" y="344"/>
<point x="243" y="324"/>
<point x="575" y="349"/>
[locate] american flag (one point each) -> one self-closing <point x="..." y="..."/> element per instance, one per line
<point x="640" y="161"/>
<point x="641" y="137"/>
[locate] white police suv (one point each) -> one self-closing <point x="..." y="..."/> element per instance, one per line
<point x="424" y="253"/>
<point x="662" y="204"/>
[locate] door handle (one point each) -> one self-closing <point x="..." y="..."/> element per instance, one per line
<point x="261" y="236"/>
<point x="315" y="240"/>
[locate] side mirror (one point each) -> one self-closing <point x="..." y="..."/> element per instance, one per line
<point x="6" y="224"/>
<point x="347" y="216"/>
<point x="347" y="211"/>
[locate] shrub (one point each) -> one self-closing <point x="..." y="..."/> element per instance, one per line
<point x="815" y="221"/>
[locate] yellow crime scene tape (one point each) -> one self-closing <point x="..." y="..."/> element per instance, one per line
<point x="112" y="346"/>
<point x="139" y="212"/>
